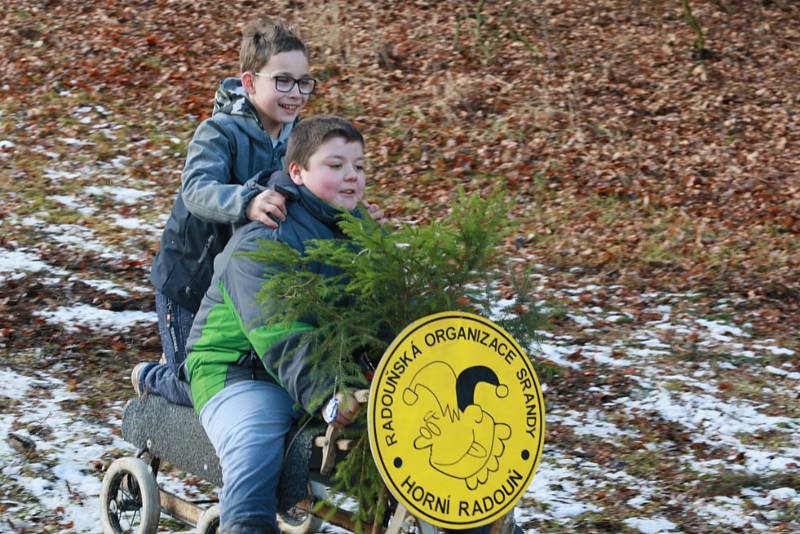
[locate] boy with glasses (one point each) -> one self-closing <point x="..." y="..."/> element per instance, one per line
<point x="228" y="165"/>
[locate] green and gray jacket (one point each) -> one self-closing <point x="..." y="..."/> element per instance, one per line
<point x="231" y="324"/>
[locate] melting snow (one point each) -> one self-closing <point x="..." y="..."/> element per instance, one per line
<point x="781" y="372"/>
<point x="724" y="511"/>
<point x="580" y="320"/>
<point x="19" y="262"/>
<point x="720" y="331"/>
<point x="605" y="356"/>
<point x="73" y="202"/>
<point x="71" y="447"/>
<point x="103" y="285"/>
<point x="555" y="487"/>
<point x="562" y="478"/>
<point x="646" y="354"/>
<point x="57" y="176"/>
<point x="76" y="142"/>
<point x="76" y="236"/>
<point x="126" y="195"/>
<point x="783" y="494"/>
<point x="93" y="317"/>
<point x="776" y="351"/>
<point x="716" y="422"/>
<point x="592" y="423"/>
<point x="650" y="526"/>
<point x="556" y="354"/>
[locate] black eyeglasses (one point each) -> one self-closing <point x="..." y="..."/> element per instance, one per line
<point x="285" y="84"/>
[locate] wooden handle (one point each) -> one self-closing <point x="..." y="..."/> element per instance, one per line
<point x="329" y="450"/>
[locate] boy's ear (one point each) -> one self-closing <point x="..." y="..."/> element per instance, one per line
<point x="294" y="173"/>
<point x="248" y="82"/>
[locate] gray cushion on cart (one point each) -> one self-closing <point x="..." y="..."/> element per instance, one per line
<point x="174" y="434"/>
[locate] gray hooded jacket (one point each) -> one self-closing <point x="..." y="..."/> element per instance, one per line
<point x="229" y="161"/>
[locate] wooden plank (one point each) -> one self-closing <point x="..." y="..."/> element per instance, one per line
<point x="400" y="516"/>
<point x="180" y="509"/>
<point x="328" y="454"/>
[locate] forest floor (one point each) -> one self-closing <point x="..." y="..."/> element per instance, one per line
<point x="656" y="200"/>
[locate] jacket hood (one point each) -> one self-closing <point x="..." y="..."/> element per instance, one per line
<point x="229" y="91"/>
<point x="231" y="99"/>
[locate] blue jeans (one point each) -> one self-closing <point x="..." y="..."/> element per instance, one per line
<point x="174" y="325"/>
<point x="247" y="423"/>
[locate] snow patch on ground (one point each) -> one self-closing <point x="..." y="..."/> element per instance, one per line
<point x="726" y="511"/>
<point x="716" y="422"/>
<point x="775" y="351"/>
<point x="580" y="320"/>
<point x="76" y="237"/>
<point x="781" y="372"/>
<point x="104" y="285"/>
<point x="73" y="202"/>
<point x="650" y="525"/>
<point x="96" y="318"/>
<point x="70" y="448"/>
<point x="133" y="223"/>
<point x="555" y="488"/>
<point x="72" y="141"/>
<point x="58" y="176"/>
<point x="557" y="354"/>
<point x="16" y="264"/>
<point x="82" y="242"/>
<point x="125" y="195"/>
<point x="606" y="356"/>
<point x="721" y="331"/>
<point x="64" y="473"/>
<point x="593" y="422"/>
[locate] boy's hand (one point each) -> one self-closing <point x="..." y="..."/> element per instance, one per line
<point x="375" y="212"/>
<point x="346" y="411"/>
<point x="263" y="205"/>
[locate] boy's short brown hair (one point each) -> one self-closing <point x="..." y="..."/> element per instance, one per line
<point x="310" y="133"/>
<point x="263" y="38"/>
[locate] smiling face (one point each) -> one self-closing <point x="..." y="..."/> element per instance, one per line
<point x="335" y="173"/>
<point x="274" y="107"/>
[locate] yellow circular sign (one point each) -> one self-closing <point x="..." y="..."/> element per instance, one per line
<point x="456" y="420"/>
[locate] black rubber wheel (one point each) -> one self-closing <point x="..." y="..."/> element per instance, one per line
<point x="129" y="499"/>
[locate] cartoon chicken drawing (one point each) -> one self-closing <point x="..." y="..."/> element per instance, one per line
<point x="463" y="440"/>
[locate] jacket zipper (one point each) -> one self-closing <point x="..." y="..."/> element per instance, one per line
<point x="188" y="288"/>
<point x="205" y="248"/>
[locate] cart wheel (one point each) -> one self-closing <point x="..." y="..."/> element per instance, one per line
<point x="209" y="521"/>
<point x="129" y="500"/>
<point x="298" y="521"/>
